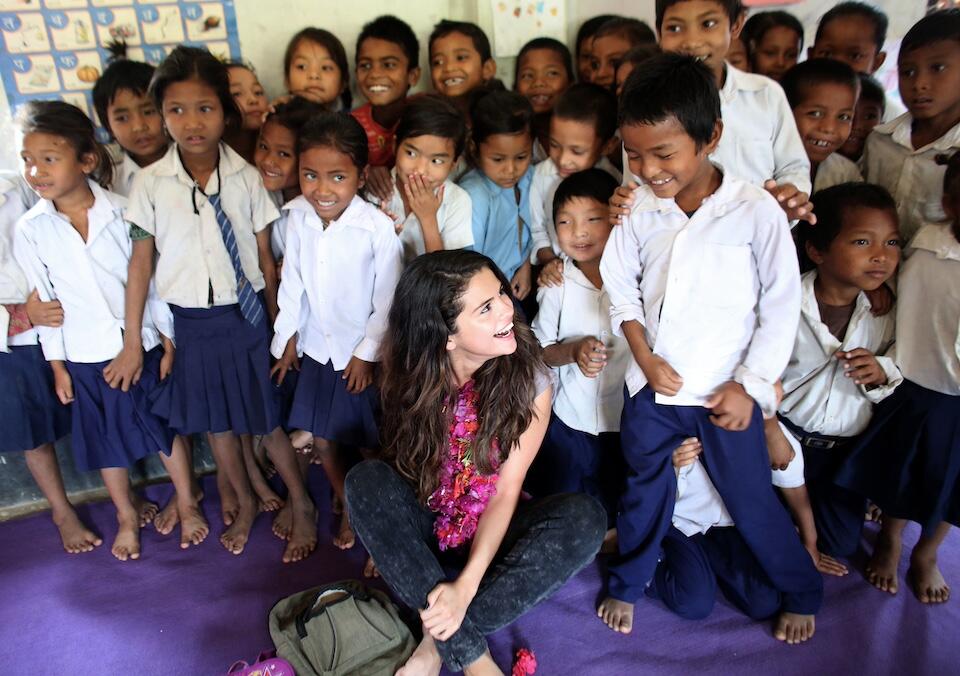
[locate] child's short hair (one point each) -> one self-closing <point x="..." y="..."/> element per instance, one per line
<point x="59" y="118"/>
<point x="294" y="114"/>
<point x="334" y="47"/>
<point x="732" y="8"/>
<point x="480" y="40"/>
<point x="832" y="206"/>
<point x="591" y="104"/>
<point x="500" y="112"/>
<point x="760" y="23"/>
<point x="546" y="43"/>
<point x="935" y="27"/>
<point x="432" y="115"/>
<point x="672" y="85"/>
<point x="861" y="9"/>
<point x="637" y="55"/>
<point x="589" y="28"/>
<point x="121" y="73"/>
<point x="193" y="63"/>
<point x="871" y="90"/>
<point x="634" y="31"/>
<point x="593" y="183"/>
<point x="798" y="80"/>
<point x="339" y="131"/>
<point x="391" y="29"/>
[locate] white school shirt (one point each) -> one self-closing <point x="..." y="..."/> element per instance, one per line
<point x="892" y="108"/>
<point x="834" y="170"/>
<point x="911" y="175"/>
<point x="337" y="282"/>
<point x="193" y="257"/>
<point x="88" y="278"/>
<point x="125" y="169"/>
<point x="16" y="198"/>
<point x="454" y="218"/>
<point x="928" y="311"/>
<point x="718" y="293"/>
<point x="567" y="313"/>
<point x="543" y="187"/>
<point x="699" y="506"/>
<point x="278" y="229"/>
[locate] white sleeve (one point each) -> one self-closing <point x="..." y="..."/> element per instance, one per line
<point x="792" y="476"/>
<point x="887" y="360"/>
<point x="387" y="266"/>
<point x="290" y="295"/>
<point x="546" y="325"/>
<point x="621" y="270"/>
<point x="25" y="250"/>
<point x="140" y="208"/>
<point x="456" y="231"/>
<point x="263" y="211"/>
<point x="538" y="216"/>
<point x="790" y="162"/>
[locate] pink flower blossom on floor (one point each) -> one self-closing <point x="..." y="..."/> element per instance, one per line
<point x="525" y="663"/>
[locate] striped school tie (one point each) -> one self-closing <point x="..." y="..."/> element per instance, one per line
<point x="249" y="301"/>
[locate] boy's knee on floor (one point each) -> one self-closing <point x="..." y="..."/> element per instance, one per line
<point x="695" y="606"/>
<point x="762" y="603"/>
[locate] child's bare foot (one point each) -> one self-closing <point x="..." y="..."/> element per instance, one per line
<point x="76" y="537"/>
<point x="234" y="539"/>
<point x="793" y="628"/>
<point x="873" y="513"/>
<point x="267" y="498"/>
<point x="616" y="614"/>
<point x="425" y="660"/>
<point x="370" y="568"/>
<point x="883" y="564"/>
<point x="193" y="527"/>
<point x="485" y="666"/>
<point x="345" y="538"/>
<point x="283" y="522"/>
<point x="301" y="440"/>
<point x="169" y="516"/>
<point x="303" y="537"/>
<point x="229" y="503"/>
<point x="609" y="545"/>
<point x="127" y="543"/>
<point x="336" y="505"/>
<point x="146" y="510"/>
<point x="926" y="580"/>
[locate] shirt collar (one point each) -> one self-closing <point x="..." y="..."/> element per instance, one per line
<point x="103" y="210"/>
<point x="356" y="215"/>
<point x="808" y="298"/>
<point x="900" y="130"/>
<point x="938" y="239"/>
<point x="495" y="189"/>
<point x="171" y="165"/>
<point x="731" y="193"/>
<point x="575" y="275"/>
<point x="736" y="81"/>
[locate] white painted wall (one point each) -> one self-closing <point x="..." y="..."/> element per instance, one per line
<point x="265" y="26"/>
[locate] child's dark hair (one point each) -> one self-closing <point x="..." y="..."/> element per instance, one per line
<point x="391" y="29"/>
<point x="432" y="115"/>
<point x="833" y="204"/>
<point x="871" y="90"/>
<point x="193" y="63"/>
<point x="760" y="23"/>
<point x="591" y="104"/>
<point x="672" y="85"/>
<point x="500" y="112"/>
<point x="294" y="114"/>
<point x="59" y="118"/>
<point x="592" y="183"/>
<point x="861" y="9"/>
<point x="637" y="55"/>
<point x="797" y="81"/>
<point x="334" y="47"/>
<point x="339" y="131"/>
<point x="480" y="40"/>
<point x="935" y="27"/>
<point x="546" y="43"/>
<point x="589" y="28"/>
<point x="121" y="73"/>
<point x="732" y="8"/>
<point x="634" y="31"/>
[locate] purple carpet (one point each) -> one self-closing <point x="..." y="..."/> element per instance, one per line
<point x="195" y="612"/>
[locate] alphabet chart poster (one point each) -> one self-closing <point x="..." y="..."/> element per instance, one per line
<point x="56" y="49"/>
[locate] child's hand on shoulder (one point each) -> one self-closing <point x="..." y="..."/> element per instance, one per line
<point x="621" y="201"/>
<point x="288" y="361"/>
<point x="379" y="183"/>
<point x="687" y="452"/>
<point x="793" y="201"/>
<point x="881" y="300"/>
<point x="551" y="274"/>
<point x="521" y="282"/>
<point x="590" y="355"/>
<point x="42" y="313"/>
<point x="778" y="446"/>
<point x="62" y="382"/>
<point x="732" y="407"/>
<point x="358" y="374"/>
<point x="661" y="376"/>
<point x="422" y="199"/>
<point x="861" y="365"/>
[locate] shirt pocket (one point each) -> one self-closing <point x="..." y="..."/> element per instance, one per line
<point x="727" y="277"/>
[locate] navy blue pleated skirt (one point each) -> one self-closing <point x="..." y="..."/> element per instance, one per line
<point x="323" y="406"/>
<point x="30" y="413"/>
<point x="113" y="428"/>
<point x="908" y="459"/>
<point x="283" y="395"/>
<point x="221" y="374"/>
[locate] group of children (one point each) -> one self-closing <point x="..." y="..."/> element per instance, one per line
<point x="645" y="188"/>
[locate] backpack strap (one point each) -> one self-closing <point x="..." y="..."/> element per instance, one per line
<point x="315" y="608"/>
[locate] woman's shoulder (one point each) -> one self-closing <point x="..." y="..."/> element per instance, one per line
<point x="543" y="378"/>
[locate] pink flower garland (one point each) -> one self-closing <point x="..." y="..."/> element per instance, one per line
<point x="463" y="493"/>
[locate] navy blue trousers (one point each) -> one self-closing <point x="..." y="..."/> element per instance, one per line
<point x="738" y="465"/>
<point x="692" y="568"/>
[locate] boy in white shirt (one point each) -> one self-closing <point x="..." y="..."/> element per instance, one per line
<point x="704" y="286"/>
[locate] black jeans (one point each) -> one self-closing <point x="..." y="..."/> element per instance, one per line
<point x="547" y="542"/>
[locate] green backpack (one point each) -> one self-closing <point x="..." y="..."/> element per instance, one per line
<point x="341" y="629"/>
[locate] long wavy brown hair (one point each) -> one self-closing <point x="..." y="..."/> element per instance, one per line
<point x="418" y="380"/>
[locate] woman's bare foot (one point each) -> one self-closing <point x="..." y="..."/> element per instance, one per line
<point x="370" y="568"/>
<point x="146" y="510"/>
<point x="609" y="545"/>
<point x="193" y="527"/>
<point x="616" y="614"/>
<point x="303" y="537"/>
<point x="793" y="628"/>
<point x="229" y="503"/>
<point x="883" y="564"/>
<point x="425" y="660"/>
<point x="127" y="543"/>
<point x="926" y="580"/>
<point x="76" y="538"/>
<point x="485" y="666"/>
<point x="283" y="522"/>
<point x="345" y="538"/>
<point x="234" y="539"/>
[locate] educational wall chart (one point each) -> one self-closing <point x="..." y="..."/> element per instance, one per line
<point x="516" y="21"/>
<point x="56" y="49"/>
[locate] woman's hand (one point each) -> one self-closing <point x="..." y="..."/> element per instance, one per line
<point x="446" y="607"/>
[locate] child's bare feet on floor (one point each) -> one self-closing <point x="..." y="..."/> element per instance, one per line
<point x="234" y="539"/>
<point x="882" y="566"/>
<point x="346" y="537"/>
<point x="425" y="660"/>
<point x="169" y="517"/>
<point x="127" y="543"/>
<point x="267" y="498"/>
<point x="616" y="614"/>
<point x="229" y="503"/>
<point x="926" y="581"/>
<point x="283" y="522"/>
<point x="794" y="628"/>
<point x="193" y="527"/>
<point x="76" y="537"/>
<point x="303" y="537"/>
<point x="370" y="568"/>
<point x="146" y="510"/>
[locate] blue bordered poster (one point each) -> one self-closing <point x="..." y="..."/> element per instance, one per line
<point x="56" y="49"/>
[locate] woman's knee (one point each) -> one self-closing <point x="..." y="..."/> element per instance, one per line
<point x="368" y="478"/>
<point x="586" y="518"/>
